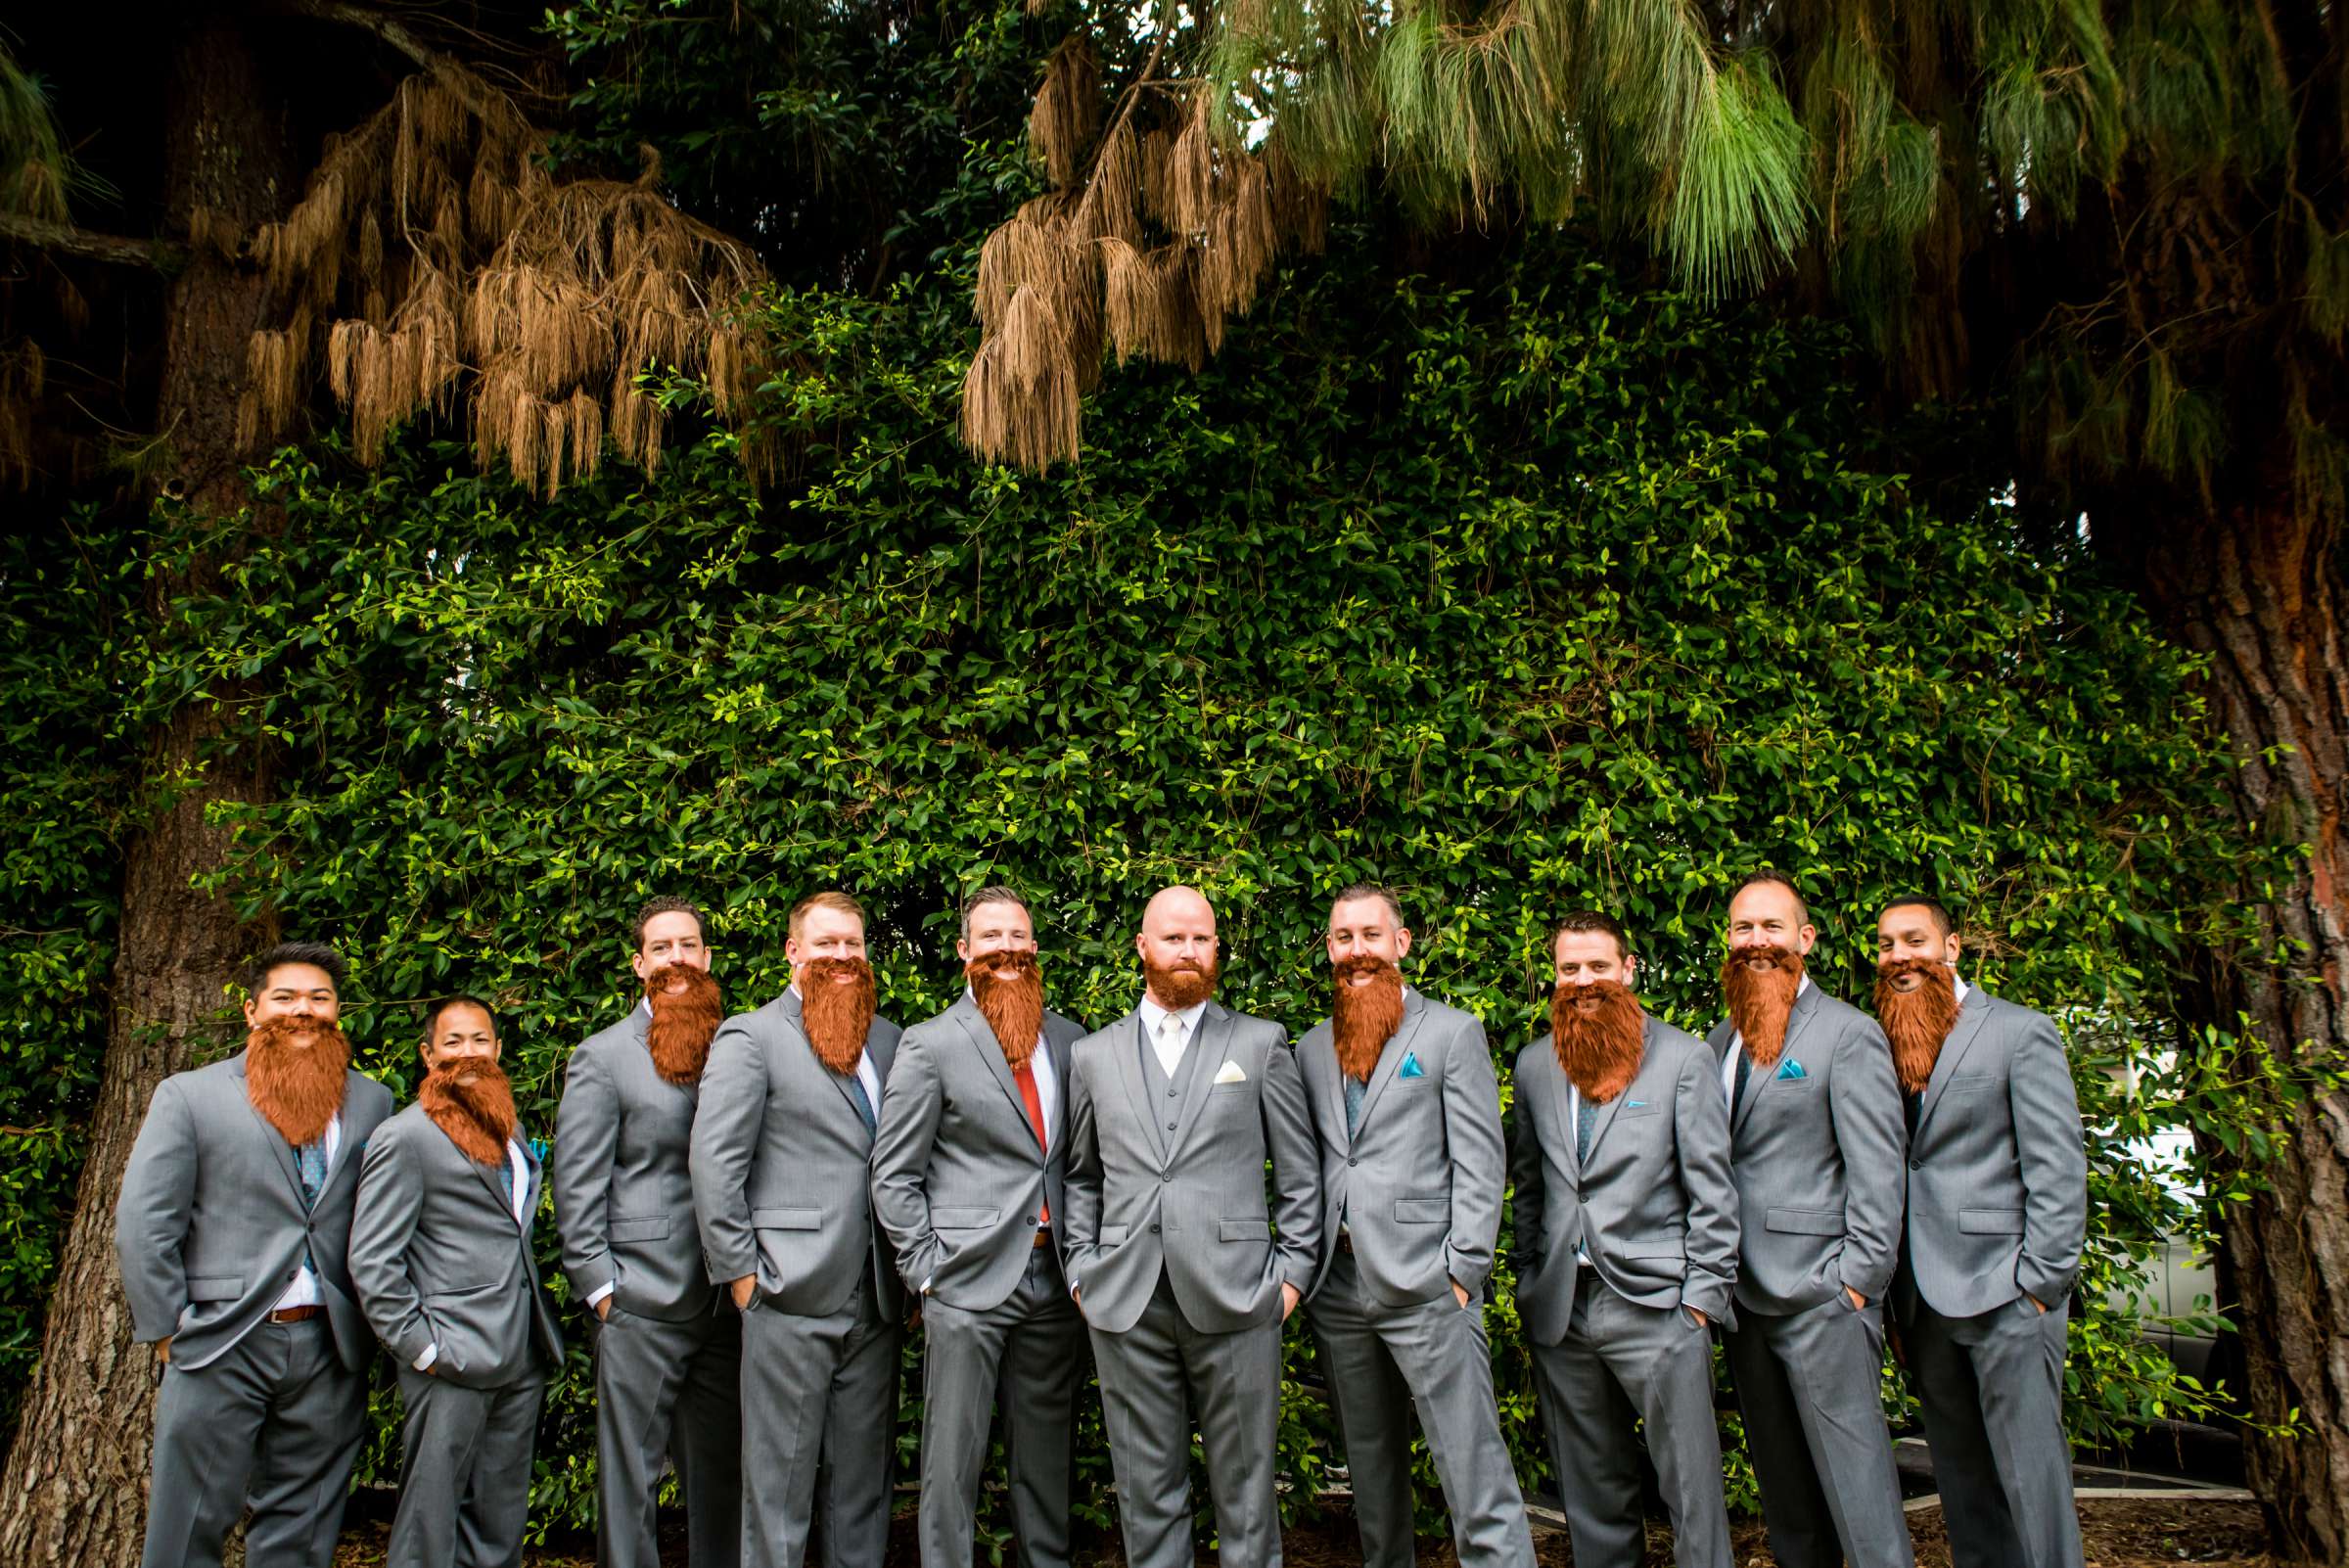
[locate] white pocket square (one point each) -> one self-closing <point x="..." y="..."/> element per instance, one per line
<point x="1231" y="1073"/>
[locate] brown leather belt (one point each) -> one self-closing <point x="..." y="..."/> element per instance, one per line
<point x="1043" y="1237"/>
<point x="1345" y="1243"/>
<point x="295" y="1314"/>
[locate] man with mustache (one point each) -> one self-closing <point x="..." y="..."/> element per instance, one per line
<point x="1409" y="1117"/>
<point x="782" y="1186"/>
<point x="1625" y="1252"/>
<point x="667" y="1346"/>
<point x="231" y="1230"/>
<point x="1998" y="1215"/>
<point x="1172" y="1247"/>
<point x="441" y="1251"/>
<point x="967" y="1182"/>
<point x="1816" y="1151"/>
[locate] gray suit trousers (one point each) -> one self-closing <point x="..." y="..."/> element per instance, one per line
<point x="464" y="1472"/>
<point x="1234" y="1381"/>
<point x="1380" y="1361"/>
<point x="1807" y="1384"/>
<point x="818" y="1395"/>
<point x="1993" y="1390"/>
<point x="673" y="1390"/>
<point x="1024" y="1358"/>
<point x="273" y="1423"/>
<point x="1621" y="1363"/>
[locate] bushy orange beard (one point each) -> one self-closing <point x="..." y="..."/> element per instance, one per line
<point x="683" y="1021"/>
<point x="1182" y="987"/>
<point x="478" y="1117"/>
<point x="1918" y="1021"/>
<point x="1364" y="1018"/>
<point x="1760" y="1003"/>
<point x="1009" y="988"/>
<point x="836" y="1007"/>
<point x="298" y="1088"/>
<point x="1600" y="1050"/>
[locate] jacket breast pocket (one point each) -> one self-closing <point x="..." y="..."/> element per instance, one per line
<point x="1643" y="1108"/>
<point x="644" y="1227"/>
<point x="963" y="1219"/>
<point x="1422" y="1211"/>
<point x="1971" y="1084"/>
<point x="786" y="1218"/>
<point x="1804" y="1222"/>
<point x="1990" y="1221"/>
<point x="215" y="1287"/>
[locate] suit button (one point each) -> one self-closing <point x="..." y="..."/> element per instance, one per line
<point x="1169" y="1092"/>
<point x="1169" y="1127"/>
<point x="1154" y="1230"/>
<point x="1917" y="1164"/>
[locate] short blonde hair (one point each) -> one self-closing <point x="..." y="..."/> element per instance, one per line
<point x="832" y="900"/>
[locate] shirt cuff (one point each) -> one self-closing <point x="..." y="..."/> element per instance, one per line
<point x="423" y="1363"/>
<point x="596" y="1295"/>
<point x="927" y="1283"/>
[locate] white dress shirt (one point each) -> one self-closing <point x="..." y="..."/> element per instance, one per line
<point x="303" y="1292"/>
<point x="518" y="1164"/>
<point x="1170" y="1045"/>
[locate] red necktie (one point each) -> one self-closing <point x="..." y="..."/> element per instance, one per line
<point x="1025" y="1074"/>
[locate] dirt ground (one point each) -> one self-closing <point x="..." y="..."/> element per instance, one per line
<point x="2131" y="1533"/>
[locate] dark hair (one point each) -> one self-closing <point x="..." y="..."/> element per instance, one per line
<point x="1768" y="875"/>
<point x="317" y="955"/>
<point x="1592" y="920"/>
<point x="432" y="1014"/>
<point x="992" y="893"/>
<point x="1369" y="890"/>
<point x="670" y="903"/>
<point x="1917" y="900"/>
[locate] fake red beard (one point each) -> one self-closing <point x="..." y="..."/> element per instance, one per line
<point x="1760" y="1001"/>
<point x="1364" y="1018"/>
<point x="478" y="1115"/>
<point x="1184" y="985"/>
<point x="1918" y="1020"/>
<point x="683" y="1021"/>
<point x="836" y="1007"/>
<point x="1599" y="1048"/>
<point x="297" y="1084"/>
<point x="1009" y="988"/>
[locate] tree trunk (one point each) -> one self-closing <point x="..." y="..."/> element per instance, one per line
<point x="2258" y="590"/>
<point x="74" y="1489"/>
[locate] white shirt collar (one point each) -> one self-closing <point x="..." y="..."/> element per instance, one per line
<point x="1963" y="987"/>
<point x="1152" y="1013"/>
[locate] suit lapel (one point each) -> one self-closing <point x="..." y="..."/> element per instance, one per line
<point x="1561" y="1100"/>
<point x="271" y="1135"/>
<point x="1953" y="1052"/>
<point x="490" y="1179"/>
<point x="1390" y="1057"/>
<point x="991" y="1052"/>
<point x="793" y="1016"/>
<point x="1202" y="1062"/>
<point x="1328" y="1081"/>
<point x="1606" y="1111"/>
<point x="1798" y="1020"/>
<point x="1131" y="1039"/>
<point x="1058" y="1050"/>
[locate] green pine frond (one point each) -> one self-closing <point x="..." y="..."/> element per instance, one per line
<point x="1739" y="204"/>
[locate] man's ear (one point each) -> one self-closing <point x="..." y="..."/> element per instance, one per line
<point x="1402" y="941"/>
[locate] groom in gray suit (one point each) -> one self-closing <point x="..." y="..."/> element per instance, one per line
<point x="1409" y="1117"/>
<point x="1626" y="1253"/>
<point x="441" y="1251"/>
<point x="667" y="1346"/>
<point x="1998" y="1215"/>
<point x="1816" y="1148"/>
<point x="1182" y="1270"/>
<point x="231" y="1229"/>
<point x="967" y="1182"/>
<point x="782" y="1186"/>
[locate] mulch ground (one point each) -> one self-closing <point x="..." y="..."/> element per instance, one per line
<point x="2119" y="1533"/>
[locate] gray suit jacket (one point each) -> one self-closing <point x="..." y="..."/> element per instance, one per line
<point x="1190" y="1203"/>
<point x="1998" y="1173"/>
<point x="439" y="1259"/>
<point x="1418" y="1181"/>
<point x="210" y="1228"/>
<point x="1654" y="1205"/>
<point x="782" y="1165"/>
<point x="1817" y="1151"/>
<point x="957" y="1177"/>
<point x="624" y="1196"/>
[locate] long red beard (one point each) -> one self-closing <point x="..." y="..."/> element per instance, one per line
<point x="836" y="1007"/>
<point x="297" y="1088"/>
<point x="1760" y="1003"/>
<point x="478" y="1117"/>
<point x="1364" y="1018"/>
<point x="683" y="1021"/>
<point x="1183" y="985"/>
<point x="1918" y="1021"/>
<point x="1009" y="988"/>
<point x="1600" y="1050"/>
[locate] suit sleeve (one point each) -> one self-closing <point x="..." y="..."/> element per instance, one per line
<point x="1081" y="1177"/>
<point x="1479" y="1159"/>
<point x="1873" y="1138"/>
<point x="2046" y="1108"/>
<point x="1701" y="1136"/>
<point x="150" y="1217"/>
<point x="1529" y="1200"/>
<point x="579" y="1172"/>
<point x="726" y="1124"/>
<point x="911" y="1107"/>
<point x="1296" y="1166"/>
<point x="389" y="1203"/>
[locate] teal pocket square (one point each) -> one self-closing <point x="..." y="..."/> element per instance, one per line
<point x="1411" y="1067"/>
<point x="1632" y="1105"/>
<point x="1792" y="1069"/>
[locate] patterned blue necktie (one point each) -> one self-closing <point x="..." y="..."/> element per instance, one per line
<point x="505" y="1178"/>
<point x="864" y="1107"/>
<point x="1356" y="1091"/>
<point x="311" y="1160"/>
<point x="1585" y="1117"/>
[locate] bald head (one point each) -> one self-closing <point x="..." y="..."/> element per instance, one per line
<point x="1178" y="935"/>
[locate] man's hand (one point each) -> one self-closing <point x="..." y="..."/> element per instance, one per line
<point x="2035" y="1301"/>
<point x="1459" y="1293"/>
<point x="163" y="1350"/>
<point x="1858" y="1301"/>
<point x="1290" y="1295"/>
<point x="1701" y="1320"/>
<point x="603" y="1309"/>
<point x="742" y="1291"/>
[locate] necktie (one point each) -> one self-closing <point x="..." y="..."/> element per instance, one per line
<point x="310" y="1160"/>
<point x="505" y="1180"/>
<point x="1915" y="1100"/>
<point x="864" y="1107"/>
<point x="1025" y="1076"/>
<point x="1585" y="1117"/>
<point x="1356" y="1089"/>
<point x="1745" y="1069"/>
<point x="1169" y="1043"/>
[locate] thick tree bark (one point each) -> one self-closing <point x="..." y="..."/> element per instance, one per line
<point x="74" y="1489"/>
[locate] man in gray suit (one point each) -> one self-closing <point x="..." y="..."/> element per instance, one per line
<point x="782" y="1186"/>
<point x="231" y="1229"/>
<point x="1409" y="1117"/>
<point x="1816" y="1149"/>
<point x="441" y="1251"/>
<point x="967" y="1182"/>
<point x="1625" y="1251"/>
<point x="1182" y="1270"/>
<point x="668" y="1346"/>
<point x="1998" y="1213"/>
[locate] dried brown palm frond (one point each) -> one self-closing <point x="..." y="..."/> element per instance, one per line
<point x="1068" y="108"/>
<point x="1018" y="399"/>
